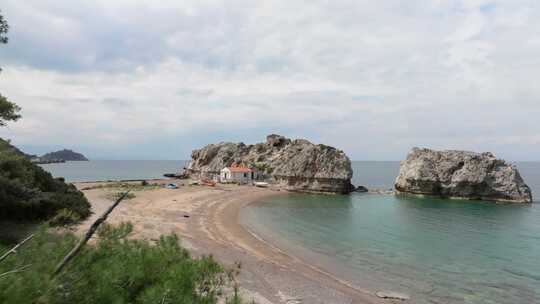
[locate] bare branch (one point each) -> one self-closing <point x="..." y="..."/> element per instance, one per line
<point x="20" y="269"/>
<point x="14" y="249"/>
<point x="89" y="234"/>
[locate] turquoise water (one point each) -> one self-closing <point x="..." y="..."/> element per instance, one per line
<point x="438" y="251"/>
<point x="101" y="170"/>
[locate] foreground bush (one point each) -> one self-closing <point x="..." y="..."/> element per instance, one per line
<point x="114" y="270"/>
<point x="27" y="192"/>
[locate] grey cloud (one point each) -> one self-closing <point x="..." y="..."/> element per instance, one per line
<point x="400" y="73"/>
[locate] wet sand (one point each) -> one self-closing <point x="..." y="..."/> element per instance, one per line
<point x="207" y="221"/>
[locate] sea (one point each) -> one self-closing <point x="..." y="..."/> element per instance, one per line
<point x="113" y="170"/>
<point x="434" y="250"/>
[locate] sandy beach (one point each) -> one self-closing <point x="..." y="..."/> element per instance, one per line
<point x="207" y="220"/>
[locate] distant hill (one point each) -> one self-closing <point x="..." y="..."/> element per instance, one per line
<point x="63" y="155"/>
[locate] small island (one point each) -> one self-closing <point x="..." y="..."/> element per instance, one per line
<point x="295" y="165"/>
<point x="60" y="156"/>
<point x="461" y="175"/>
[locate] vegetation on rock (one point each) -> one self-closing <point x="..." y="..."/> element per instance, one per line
<point x="65" y="155"/>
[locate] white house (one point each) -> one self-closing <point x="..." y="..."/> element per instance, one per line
<point x="237" y="174"/>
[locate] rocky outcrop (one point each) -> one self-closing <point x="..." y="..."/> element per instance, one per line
<point x="361" y="189"/>
<point x="461" y="174"/>
<point x="296" y="165"/>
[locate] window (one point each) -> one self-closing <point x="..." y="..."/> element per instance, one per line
<point x="245" y="174"/>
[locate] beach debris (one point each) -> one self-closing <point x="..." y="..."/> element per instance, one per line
<point x="207" y="182"/>
<point x="392" y="295"/>
<point x="171" y="186"/>
<point x="260" y="184"/>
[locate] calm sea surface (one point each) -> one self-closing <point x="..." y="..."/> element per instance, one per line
<point x="101" y="170"/>
<point x="437" y="251"/>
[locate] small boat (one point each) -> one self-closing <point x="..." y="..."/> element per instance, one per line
<point x="171" y="186"/>
<point x="208" y="182"/>
<point x="260" y="184"/>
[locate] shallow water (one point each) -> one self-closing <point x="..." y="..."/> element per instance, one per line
<point x="438" y="251"/>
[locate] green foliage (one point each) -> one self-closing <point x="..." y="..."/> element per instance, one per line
<point x="8" y="111"/>
<point x="4" y="27"/>
<point x="27" y="192"/>
<point x="64" y="217"/>
<point x="114" y="270"/>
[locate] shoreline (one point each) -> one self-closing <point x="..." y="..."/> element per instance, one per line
<point x="208" y="222"/>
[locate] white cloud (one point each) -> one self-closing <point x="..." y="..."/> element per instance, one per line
<point x="371" y="79"/>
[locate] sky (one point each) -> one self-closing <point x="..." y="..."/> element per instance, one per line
<point x="156" y="79"/>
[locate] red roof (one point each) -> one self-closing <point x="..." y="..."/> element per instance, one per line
<point x="241" y="169"/>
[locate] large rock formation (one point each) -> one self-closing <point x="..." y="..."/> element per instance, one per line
<point x="461" y="174"/>
<point x="295" y="165"/>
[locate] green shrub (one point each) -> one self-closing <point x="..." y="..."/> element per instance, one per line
<point x="115" y="269"/>
<point x="27" y="192"/>
<point x="64" y="217"/>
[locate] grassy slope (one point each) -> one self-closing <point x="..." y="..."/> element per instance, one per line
<point x="114" y="270"/>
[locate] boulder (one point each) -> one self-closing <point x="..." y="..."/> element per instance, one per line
<point x="296" y="165"/>
<point x="361" y="189"/>
<point x="461" y="174"/>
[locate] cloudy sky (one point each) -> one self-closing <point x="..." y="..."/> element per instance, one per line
<point x="155" y="79"/>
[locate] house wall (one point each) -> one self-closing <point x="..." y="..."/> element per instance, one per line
<point x="241" y="177"/>
<point x="226" y="176"/>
